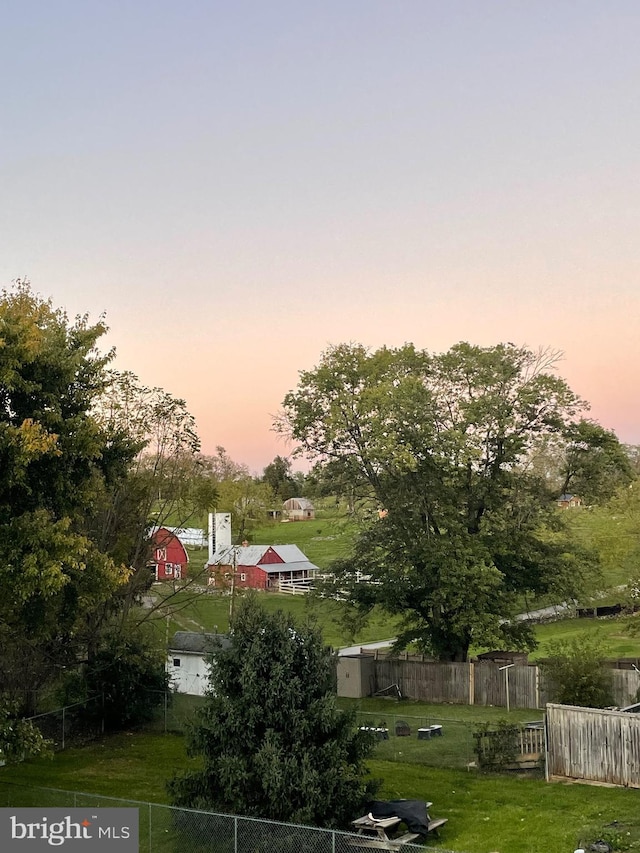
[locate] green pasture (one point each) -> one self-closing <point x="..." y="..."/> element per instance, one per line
<point x="209" y="612"/>
<point x="322" y="539"/>
<point x="620" y="635"/>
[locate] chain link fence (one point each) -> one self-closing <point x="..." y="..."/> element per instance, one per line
<point x="401" y="737"/>
<point x="436" y="742"/>
<point x="433" y="741"/>
<point x="173" y="711"/>
<point x="426" y="740"/>
<point x="72" y="725"/>
<point x="166" y="829"/>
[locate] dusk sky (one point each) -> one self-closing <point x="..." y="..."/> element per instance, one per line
<point x="239" y="185"/>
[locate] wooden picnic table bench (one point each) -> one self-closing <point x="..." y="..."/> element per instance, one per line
<point x="372" y="832"/>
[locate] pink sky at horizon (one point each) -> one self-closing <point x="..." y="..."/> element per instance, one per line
<point x="241" y="185"/>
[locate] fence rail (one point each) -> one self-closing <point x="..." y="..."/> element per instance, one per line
<point x="166" y="829"/>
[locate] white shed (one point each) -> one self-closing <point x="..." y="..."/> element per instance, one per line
<point x="187" y="658"/>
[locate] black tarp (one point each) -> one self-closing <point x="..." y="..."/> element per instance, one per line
<point x="411" y="812"/>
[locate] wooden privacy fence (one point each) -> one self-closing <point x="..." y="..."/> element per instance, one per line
<point x="481" y="683"/>
<point x="594" y="745"/>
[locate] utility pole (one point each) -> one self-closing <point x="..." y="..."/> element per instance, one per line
<point x="234" y="571"/>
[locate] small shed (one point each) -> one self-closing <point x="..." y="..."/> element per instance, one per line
<point x="569" y="501"/>
<point x="356" y="675"/>
<point x="169" y="558"/>
<point x="299" y="509"/>
<point x="187" y="660"/>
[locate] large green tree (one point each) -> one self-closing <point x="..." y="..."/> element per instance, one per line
<point x="442" y="443"/>
<point x="594" y="463"/>
<point x="56" y="461"/>
<point x="247" y="498"/>
<point x="270" y="738"/>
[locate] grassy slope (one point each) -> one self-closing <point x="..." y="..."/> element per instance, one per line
<point x="615" y="634"/>
<point x="211" y="613"/>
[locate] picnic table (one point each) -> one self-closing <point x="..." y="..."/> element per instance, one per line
<point x="372" y="832"/>
<point x="375" y="832"/>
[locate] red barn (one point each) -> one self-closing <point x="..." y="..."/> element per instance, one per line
<point x="169" y="558"/>
<point x="261" y="567"/>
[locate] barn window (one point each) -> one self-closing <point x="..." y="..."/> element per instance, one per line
<point x="161" y="553"/>
<point x="243" y="576"/>
<point x="176" y="661"/>
<point x="168" y="569"/>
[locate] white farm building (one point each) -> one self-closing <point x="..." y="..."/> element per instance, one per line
<point x="187" y="660"/>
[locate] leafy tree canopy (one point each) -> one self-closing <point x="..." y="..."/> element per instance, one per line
<point x="595" y="464"/>
<point x="91" y="458"/>
<point x="271" y="739"/>
<point x="442" y="446"/>
<point x="19" y="739"/>
<point x="56" y="460"/>
<point x="278" y="476"/>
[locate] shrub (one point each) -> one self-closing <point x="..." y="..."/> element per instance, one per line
<point x="577" y="673"/>
<point x="129" y="676"/>
<point x="496" y="745"/>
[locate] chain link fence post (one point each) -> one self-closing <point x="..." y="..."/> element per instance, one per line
<point x="166" y="711"/>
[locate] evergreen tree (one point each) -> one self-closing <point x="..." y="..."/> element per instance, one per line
<point x="272" y="741"/>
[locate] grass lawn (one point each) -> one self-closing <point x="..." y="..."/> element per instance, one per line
<point x="211" y="613"/>
<point x="485" y="813"/>
<point x="454" y="749"/>
<point x="130" y="766"/>
<point x="509" y="814"/>
<point x="322" y="539"/>
<point x="615" y="634"/>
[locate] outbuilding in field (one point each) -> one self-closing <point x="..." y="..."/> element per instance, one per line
<point x="568" y="501"/>
<point x="299" y="509"/>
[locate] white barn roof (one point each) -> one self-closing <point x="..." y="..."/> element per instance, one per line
<point x="298" y="503"/>
<point x="193" y="536"/>
<point x="252" y="555"/>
